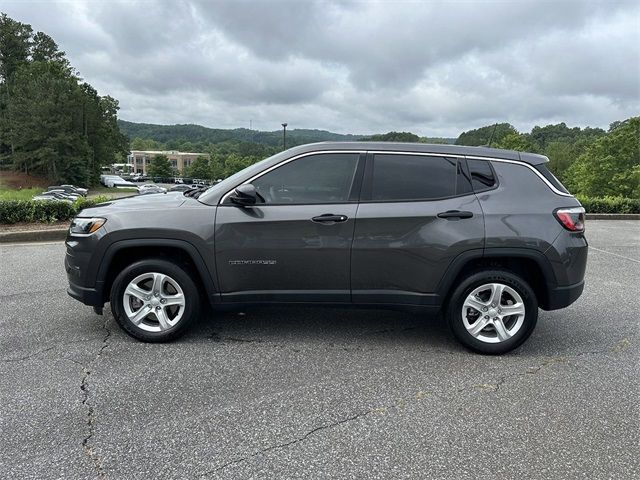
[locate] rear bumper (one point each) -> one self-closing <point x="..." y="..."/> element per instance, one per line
<point x="561" y="297"/>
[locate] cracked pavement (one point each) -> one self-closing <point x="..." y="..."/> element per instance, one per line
<point x="319" y="392"/>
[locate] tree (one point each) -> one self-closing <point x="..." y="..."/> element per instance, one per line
<point x="160" y="167"/>
<point x="15" y="45"/>
<point x="394" y="137"/>
<point x="44" y="49"/>
<point x="51" y="123"/>
<point x="610" y="165"/>
<point x="200" y="168"/>
<point x="481" y="136"/>
<point x="516" y="141"/>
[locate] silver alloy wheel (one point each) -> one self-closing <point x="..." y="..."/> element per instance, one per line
<point x="493" y="313"/>
<point x="154" y="302"/>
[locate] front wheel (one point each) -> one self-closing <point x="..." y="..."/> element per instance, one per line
<point x="154" y="300"/>
<point x="492" y="312"/>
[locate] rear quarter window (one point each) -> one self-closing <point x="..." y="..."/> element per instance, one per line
<point x="482" y="175"/>
<point x="551" y="178"/>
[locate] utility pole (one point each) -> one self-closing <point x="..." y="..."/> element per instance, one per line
<point x="284" y="136"/>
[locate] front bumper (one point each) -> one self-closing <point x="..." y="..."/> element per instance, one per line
<point x="88" y="296"/>
<point x="82" y="286"/>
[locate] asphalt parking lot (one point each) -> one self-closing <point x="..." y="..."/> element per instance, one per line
<point x="319" y="393"/>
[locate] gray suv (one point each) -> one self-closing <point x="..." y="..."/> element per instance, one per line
<point x="488" y="236"/>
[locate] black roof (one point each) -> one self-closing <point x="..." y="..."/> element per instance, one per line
<point x="530" y="158"/>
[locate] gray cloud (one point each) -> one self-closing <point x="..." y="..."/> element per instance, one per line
<point x="434" y="68"/>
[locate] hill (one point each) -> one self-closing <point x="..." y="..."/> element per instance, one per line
<point x="199" y="134"/>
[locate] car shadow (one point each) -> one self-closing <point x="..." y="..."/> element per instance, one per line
<point x="295" y="325"/>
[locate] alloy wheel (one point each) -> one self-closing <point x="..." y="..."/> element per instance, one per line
<point x="493" y="313"/>
<point x="154" y="302"/>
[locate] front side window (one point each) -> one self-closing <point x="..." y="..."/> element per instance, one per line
<point x="319" y="178"/>
<point x="398" y="177"/>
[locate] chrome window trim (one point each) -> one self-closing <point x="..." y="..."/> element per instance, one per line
<point x="284" y="162"/>
<point x="398" y="152"/>
<point x="491" y="159"/>
<point x="530" y="167"/>
<point x="425" y="154"/>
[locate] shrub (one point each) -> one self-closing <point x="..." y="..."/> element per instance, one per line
<point x="13" y="211"/>
<point x="609" y="204"/>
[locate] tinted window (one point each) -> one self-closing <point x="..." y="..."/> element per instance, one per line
<point x="321" y="178"/>
<point x="482" y="176"/>
<point x="416" y="177"/>
<point x="546" y="173"/>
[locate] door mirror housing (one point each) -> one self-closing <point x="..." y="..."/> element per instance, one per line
<point x="244" y="195"/>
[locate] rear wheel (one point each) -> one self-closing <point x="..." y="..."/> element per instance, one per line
<point x="492" y="312"/>
<point x="154" y="300"/>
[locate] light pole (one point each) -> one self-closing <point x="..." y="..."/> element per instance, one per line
<point x="284" y="136"/>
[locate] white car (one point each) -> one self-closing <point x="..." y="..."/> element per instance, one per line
<point x="151" y="188"/>
<point x="112" y="181"/>
<point x="54" y="197"/>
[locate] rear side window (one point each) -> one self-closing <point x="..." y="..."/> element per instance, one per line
<point x="546" y="173"/>
<point x="482" y="175"/>
<point x="397" y="177"/>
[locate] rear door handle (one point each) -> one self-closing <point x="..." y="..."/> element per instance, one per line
<point x="455" y="214"/>
<point x="329" y="218"/>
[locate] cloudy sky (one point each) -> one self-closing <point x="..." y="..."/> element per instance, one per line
<point x="433" y="68"/>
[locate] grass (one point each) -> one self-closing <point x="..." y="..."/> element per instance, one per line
<point x="7" y="193"/>
<point x="23" y="194"/>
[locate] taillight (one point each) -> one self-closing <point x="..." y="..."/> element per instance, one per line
<point x="571" y="218"/>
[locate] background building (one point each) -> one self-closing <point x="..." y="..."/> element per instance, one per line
<point x="139" y="160"/>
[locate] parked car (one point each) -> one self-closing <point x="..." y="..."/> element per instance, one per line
<point x="69" y="189"/>
<point x="73" y="196"/>
<point x="150" y="188"/>
<point x="180" y="188"/>
<point x="55" y="197"/>
<point x="486" y="235"/>
<point x="116" y="181"/>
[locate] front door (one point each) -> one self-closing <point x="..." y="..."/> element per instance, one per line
<point x="295" y="244"/>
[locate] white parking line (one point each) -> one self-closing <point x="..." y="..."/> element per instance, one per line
<point x="614" y="254"/>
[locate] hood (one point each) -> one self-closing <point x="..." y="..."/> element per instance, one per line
<point x="151" y="201"/>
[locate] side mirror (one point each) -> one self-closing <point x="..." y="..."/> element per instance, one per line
<point x="244" y="195"/>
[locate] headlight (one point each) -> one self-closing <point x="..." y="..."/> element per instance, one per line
<point x="85" y="226"/>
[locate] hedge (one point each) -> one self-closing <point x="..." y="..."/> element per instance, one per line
<point x="13" y="211"/>
<point x="610" y="204"/>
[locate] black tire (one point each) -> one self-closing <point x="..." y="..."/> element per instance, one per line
<point x="467" y="286"/>
<point x="177" y="274"/>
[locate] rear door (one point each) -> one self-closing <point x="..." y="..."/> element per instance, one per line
<point x="417" y="213"/>
<point x="295" y="245"/>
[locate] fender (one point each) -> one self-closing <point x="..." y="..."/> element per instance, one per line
<point x="462" y="260"/>
<point x="158" y="238"/>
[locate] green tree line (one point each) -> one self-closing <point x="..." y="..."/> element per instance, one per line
<point x="589" y="161"/>
<point x="52" y="123"/>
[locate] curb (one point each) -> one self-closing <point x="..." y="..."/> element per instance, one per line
<point x="612" y="216"/>
<point x="33" y="236"/>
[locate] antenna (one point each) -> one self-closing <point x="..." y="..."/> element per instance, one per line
<point x="492" y="133"/>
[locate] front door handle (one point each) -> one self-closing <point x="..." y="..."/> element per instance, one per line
<point x="455" y="214"/>
<point x="329" y="218"/>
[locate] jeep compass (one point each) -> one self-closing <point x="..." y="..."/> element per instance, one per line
<point x="487" y="236"/>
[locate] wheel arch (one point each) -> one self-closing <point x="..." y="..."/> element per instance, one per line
<point x="124" y="252"/>
<point x="527" y="263"/>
